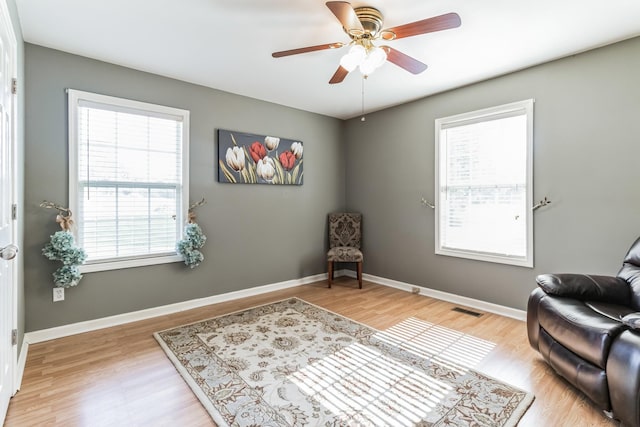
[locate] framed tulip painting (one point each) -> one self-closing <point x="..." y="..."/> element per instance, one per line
<point x="245" y="158"/>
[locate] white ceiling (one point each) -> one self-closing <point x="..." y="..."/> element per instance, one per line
<point x="227" y="44"/>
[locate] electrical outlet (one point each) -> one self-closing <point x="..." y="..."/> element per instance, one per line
<point x="58" y="294"/>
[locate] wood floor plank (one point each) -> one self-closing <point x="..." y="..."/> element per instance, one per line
<point x="121" y="377"/>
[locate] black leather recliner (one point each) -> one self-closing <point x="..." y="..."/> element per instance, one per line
<point x="584" y="327"/>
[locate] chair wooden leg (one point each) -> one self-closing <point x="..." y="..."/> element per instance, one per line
<point x="330" y="271"/>
<point x="360" y="274"/>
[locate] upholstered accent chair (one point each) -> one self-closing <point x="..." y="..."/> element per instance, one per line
<point x="345" y="239"/>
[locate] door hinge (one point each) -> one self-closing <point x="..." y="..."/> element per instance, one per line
<point x="14" y="86"/>
<point x="14" y="337"/>
<point x="14" y="212"/>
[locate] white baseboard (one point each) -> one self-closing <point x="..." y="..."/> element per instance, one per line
<point x="445" y="296"/>
<point x="120" y="319"/>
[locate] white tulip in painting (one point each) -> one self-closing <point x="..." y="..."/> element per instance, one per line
<point x="266" y="169"/>
<point x="235" y="158"/>
<point x="271" y="142"/>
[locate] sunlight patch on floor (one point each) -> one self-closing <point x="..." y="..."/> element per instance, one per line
<point x="456" y="349"/>
<point x="360" y="384"/>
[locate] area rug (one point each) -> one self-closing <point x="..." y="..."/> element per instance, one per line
<point x="291" y="363"/>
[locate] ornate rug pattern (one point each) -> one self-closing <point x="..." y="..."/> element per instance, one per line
<point x="291" y="363"/>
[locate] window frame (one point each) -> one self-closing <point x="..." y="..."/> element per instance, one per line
<point x="486" y="114"/>
<point x="75" y="97"/>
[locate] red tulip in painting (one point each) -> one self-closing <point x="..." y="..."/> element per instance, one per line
<point x="287" y="160"/>
<point x="258" y="152"/>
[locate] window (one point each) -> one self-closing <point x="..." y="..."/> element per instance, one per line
<point x="484" y="184"/>
<point x="128" y="179"/>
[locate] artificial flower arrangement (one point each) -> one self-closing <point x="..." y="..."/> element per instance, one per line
<point x="62" y="247"/>
<point x="193" y="241"/>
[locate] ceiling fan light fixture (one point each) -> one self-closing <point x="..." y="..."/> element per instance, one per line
<point x="354" y="57"/>
<point x="376" y="56"/>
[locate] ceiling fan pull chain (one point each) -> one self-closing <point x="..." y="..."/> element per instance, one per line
<point x="364" y="77"/>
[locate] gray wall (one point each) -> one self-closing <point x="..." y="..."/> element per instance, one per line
<point x="257" y="234"/>
<point x="20" y="172"/>
<point x="585" y="160"/>
<point x="586" y="151"/>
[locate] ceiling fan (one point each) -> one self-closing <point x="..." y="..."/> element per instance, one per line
<point x="364" y="25"/>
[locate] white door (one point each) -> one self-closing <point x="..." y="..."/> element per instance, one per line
<point x="8" y="280"/>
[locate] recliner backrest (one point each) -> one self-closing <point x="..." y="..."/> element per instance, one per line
<point x="630" y="272"/>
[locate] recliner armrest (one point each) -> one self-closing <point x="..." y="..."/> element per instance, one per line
<point x="586" y="287"/>
<point x="632" y="320"/>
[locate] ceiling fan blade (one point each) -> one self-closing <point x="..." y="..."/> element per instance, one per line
<point x="339" y="75"/>
<point x="429" y="25"/>
<point x="347" y="16"/>
<point x="307" y="49"/>
<point x="405" y="61"/>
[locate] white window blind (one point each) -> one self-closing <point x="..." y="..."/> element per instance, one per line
<point x="484" y="185"/>
<point x="128" y="179"/>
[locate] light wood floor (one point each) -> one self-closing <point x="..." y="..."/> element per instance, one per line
<point x="120" y="376"/>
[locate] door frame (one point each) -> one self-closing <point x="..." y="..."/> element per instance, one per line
<point x="13" y="71"/>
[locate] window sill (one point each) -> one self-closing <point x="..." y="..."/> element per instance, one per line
<point x="129" y="263"/>
<point x="478" y="256"/>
